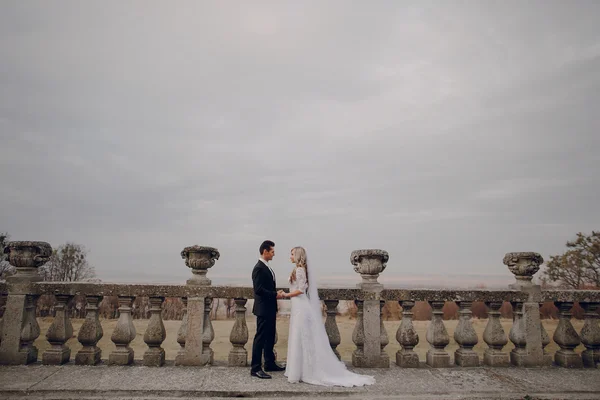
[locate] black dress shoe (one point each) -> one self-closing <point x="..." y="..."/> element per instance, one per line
<point x="260" y="374"/>
<point x="274" y="368"/>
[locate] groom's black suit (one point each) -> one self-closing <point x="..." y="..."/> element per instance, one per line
<point x="265" y="309"/>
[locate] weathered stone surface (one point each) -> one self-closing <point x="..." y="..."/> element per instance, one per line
<point x="547" y="357"/>
<point x="384" y="339"/>
<point x="181" y="334"/>
<point x="155" y="334"/>
<point x="517" y="336"/>
<point x="123" y="334"/>
<point x="26" y="257"/>
<point x="58" y="333"/>
<point x="29" y="333"/>
<point x="13" y="319"/>
<point x="333" y="332"/>
<point x="438" y="338"/>
<point x="200" y="259"/>
<point x="407" y="337"/>
<point x="567" y="338"/>
<point x="358" y="336"/>
<point x="247" y="292"/>
<point x="369" y="263"/>
<point x="238" y="356"/>
<point x="466" y="337"/>
<point x="89" y="334"/>
<point x="371" y="336"/>
<point x="20" y="333"/>
<point x="533" y="336"/>
<point x="590" y="335"/>
<point x="194" y="335"/>
<point x="523" y="265"/>
<point x="495" y="337"/>
<point x="209" y="333"/>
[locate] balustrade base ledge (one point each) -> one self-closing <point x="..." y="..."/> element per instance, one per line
<point x="591" y="358"/>
<point x="520" y="358"/>
<point x="22" y="357"/>
<point x="121" y="356"/>
<point x="568" y="359"/>
<point x="238" y="358"/>
<point x="208" y="356"/>
<point x="466" y="358"/>
<point x="56" y="356"/>
<point x="88" y="356"/>
<point x="154" y="357"/>
<point x="437" y="359"/>
<point x="495" y="358"/>
<point x="407" y="359"/>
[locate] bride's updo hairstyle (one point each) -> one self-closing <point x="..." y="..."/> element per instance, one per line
<point x="300" y="261"/>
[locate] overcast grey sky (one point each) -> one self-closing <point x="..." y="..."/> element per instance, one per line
<point x="447" y="133"/>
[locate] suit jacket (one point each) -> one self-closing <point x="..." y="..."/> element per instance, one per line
<point x="265" y="292"/>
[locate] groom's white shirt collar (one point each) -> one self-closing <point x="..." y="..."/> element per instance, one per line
<point x="267" y="264"/>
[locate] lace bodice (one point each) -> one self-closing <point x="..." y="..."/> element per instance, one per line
<point x="301" y="282"/>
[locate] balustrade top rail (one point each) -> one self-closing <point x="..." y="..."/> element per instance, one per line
<point x="247" y="292"/>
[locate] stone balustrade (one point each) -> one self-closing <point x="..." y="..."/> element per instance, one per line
<point x="19" y="328"/>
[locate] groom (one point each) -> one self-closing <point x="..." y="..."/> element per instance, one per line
<point x="265" y="309"/>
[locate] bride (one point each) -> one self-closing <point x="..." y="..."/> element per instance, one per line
<point x="310" y="358"/>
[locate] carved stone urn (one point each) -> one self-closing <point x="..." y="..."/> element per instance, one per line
<point x="369" y="263"/>
<point x="26" y="257"/>
<point x="523" y="265"/>
<point x="200" y="259"/>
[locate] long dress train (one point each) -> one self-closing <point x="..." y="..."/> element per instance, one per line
<point x="310" y="358"/>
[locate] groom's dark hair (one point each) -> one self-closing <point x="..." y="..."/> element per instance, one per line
<point x="266" y="245"/>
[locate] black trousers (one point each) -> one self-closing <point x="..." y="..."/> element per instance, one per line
<point x="264" y="340"/>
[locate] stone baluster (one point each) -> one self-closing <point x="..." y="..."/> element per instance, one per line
<point x="466" y="337"/>
<point x="566" y="337"/>
<point x="438" y="338"/>
<point x="181" y="334"/>
<point x="495" y="337"/>
<point x="545" y="342"/>
<point x="29" y="332"/>
<point x="333" y="333"/>
<point x="407" y="337"/>
<point x="517" y="336"/>
<point x="123" y="334"/>
<point x="16" y="344"/>
<point x="358" y="336"/>
<point x="59" y="332"/>
<point x="590" y="335"/>
<point x="155" y="334"/>
<point x="238" y="356"/>
<point x="383" y="337"/>
<point x="208" y="334"/>
<point x="89" y="334"/>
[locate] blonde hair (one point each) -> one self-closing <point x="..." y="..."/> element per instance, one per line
<point x="300" y="261"/>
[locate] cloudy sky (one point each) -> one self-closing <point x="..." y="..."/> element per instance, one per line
<point x="447" y="133"/>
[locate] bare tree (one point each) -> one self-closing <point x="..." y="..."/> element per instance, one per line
<point x="68" y="263"/>
<point x="5" y="268"/>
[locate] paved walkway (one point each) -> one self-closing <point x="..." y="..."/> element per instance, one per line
<point x="169" y="382"/>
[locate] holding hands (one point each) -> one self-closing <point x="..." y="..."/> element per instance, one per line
<point x="281" y="294"/>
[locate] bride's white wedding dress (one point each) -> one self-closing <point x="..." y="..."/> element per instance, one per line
<point x="310" y="358"/>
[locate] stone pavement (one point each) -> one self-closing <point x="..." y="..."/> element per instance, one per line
<point x="170" y="382"/>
